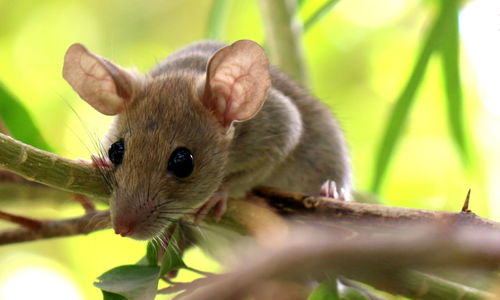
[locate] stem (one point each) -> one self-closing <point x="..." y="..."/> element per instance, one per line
<point x="321" y="12"/>
<point x="283" y="37"/>
<point x="215" y="24"/>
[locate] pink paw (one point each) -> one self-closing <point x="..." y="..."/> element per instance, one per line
<point x="218" y="202"/>
<point x="329" y="190"/>
<point x="101" y="162"/>
<point x="97" y="162"/>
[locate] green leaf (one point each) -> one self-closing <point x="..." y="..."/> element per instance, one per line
<point x="143" y="261"/>
<point x="325" y="291"/>
<point x="134" y="282"/>
<point x="172" y="259"/>
<point x="216" y="19"/>
<point x="112" y="296"/>
<point x="318" y="14"/>
<point x="451" y="70"/>
<point x="397" y="120"/>
<point x="152" y="253"/>
<point x="349" y="293"/>
<point x="18" y="120"/>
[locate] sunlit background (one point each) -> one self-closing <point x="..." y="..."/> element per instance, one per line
<point x="358" y="56"/>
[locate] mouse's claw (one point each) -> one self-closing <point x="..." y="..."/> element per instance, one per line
<point x="329" y="190"/>
<point x="217" y="202"/>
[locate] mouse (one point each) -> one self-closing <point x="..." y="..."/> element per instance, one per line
<point x="210" y="122"/>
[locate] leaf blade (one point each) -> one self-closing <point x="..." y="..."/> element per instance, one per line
<point x="326" y="290"/>
<point x="172" y="258"/>
<point x="350" y="293"/>
<point x="450" y="57"/>
<point x="319" y="13"/>
<point x="397" y="120"/>
<point x="152" y="253"/>
<point x="111" y="296"/>
<point x="18" y="120"/>
<point x="130" y="281"/>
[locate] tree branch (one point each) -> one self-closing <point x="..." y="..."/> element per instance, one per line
<point x="50" y="169"/>
<point x="381" y="260"/>
<point x="454" y="239"/>
<point x="288" y="204"/>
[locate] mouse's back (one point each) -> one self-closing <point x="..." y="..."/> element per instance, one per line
<point x="209" y="121"/>
<point x="294" y="142"/>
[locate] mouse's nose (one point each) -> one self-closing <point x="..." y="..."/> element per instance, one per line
<point x="124" y="229"/>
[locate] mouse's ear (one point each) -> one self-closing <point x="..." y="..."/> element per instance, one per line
<point x="104" y="85"/>
<point x="237" y="82"/>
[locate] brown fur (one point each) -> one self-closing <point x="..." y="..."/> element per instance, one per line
<point x="293" y="143"/>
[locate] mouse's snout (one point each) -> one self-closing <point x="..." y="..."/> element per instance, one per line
<point x="133" y="219"/>
<point x="125" y="222"/>
<point x="124" y="228"/>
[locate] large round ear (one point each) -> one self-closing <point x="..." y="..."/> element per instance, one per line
<point x="105" y="86"/>
<point x="237" y="82"/>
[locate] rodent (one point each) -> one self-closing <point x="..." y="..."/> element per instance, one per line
<point x="210" y="121"/>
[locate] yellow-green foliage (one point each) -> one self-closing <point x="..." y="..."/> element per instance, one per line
<point x="359" y="56"/>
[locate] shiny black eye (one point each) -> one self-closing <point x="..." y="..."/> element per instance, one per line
<point x="116" y="151"/>
<point x="181" y="162"/>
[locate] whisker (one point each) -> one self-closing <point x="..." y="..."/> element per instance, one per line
<point x="184" y="222"/>
<point x="183" y="213"/>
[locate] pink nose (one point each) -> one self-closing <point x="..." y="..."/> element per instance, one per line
<point x="124" y="229"/>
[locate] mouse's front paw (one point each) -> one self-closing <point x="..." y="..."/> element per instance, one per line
<point x="329" y="189"/>
<point x="217" y="202"/>
<point x="97" y="162"/>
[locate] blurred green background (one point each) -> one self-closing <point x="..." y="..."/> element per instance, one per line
<point x="358" y="56"/>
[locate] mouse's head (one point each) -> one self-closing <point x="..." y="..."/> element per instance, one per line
<point x="169" y="143"/>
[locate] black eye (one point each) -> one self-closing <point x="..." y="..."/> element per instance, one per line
<point x="181" y="162"/>
<point x="116" y="151"/>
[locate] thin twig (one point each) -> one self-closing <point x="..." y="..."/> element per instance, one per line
<point x="29" y="223"/>
<point x="88" y="223"/>
<point x="87" y="205"/>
